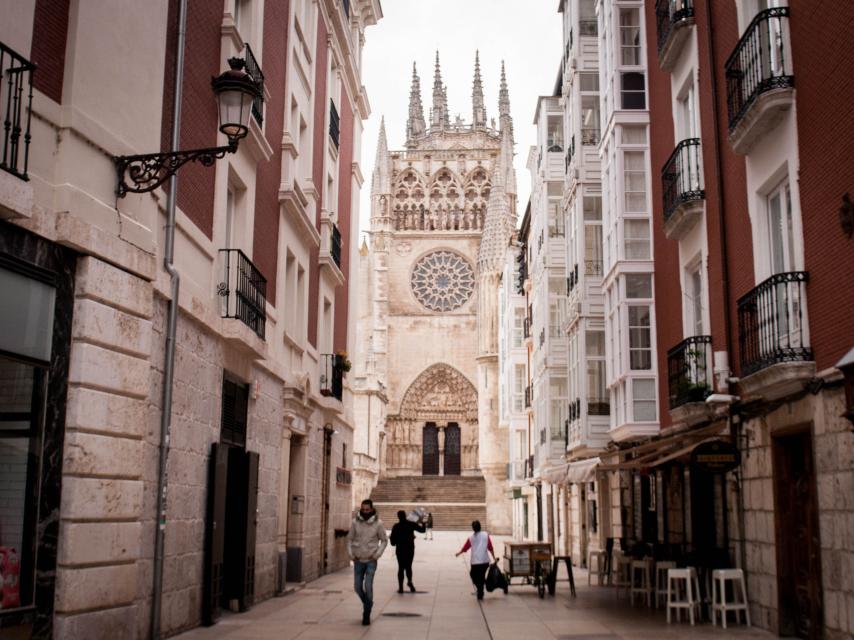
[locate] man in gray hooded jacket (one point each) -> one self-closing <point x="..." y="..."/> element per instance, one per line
<point x="365" y="543"/>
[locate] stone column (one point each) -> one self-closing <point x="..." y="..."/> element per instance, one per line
<point x="441" y="427"/>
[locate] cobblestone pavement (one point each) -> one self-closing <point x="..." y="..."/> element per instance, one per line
<point x="445" y="609"/>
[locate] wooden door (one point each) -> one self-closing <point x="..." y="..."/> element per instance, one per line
<point x="452" y="450"/>
<point x="215" y="533"/>
<point x="430" y="450"/>
<point x="798" y="544"/>
<point x="252" y="461"/>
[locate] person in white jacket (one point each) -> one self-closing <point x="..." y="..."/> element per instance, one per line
<point x="481" y="548"/>
<point x="365" y="544"/>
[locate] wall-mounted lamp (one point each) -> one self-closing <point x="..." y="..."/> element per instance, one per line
<point x="846" y="366"/>
<point x="235" y="90"/>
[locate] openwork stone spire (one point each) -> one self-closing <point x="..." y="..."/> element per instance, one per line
<point x="380" y="180"/>
<point x="439" y="113"/>
<point x="505" y="121"/>
<point x="478" y="108"/>
<point x="415" y="125"/>
<point x="499" y="223"/>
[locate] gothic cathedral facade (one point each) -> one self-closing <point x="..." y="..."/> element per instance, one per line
<point x="426" y="367"/>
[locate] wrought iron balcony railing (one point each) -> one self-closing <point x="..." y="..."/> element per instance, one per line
<point x="254" y="70"/>
<point x="16" y="100"/>
<point x="689" y="373"/>
<point x="668" y="14"/>
<point x="334" y="123"/>
<point x="336" y="245"/>
<point x="570" y="152"/>
<point x="244" y="291"/>
<point x="759" y="62"/>
<point x="343" y="476"/>
<point x="529" y="396"/>
<point x="681" y="179"/>
<point x="772" y="323"/>
<point x="529" y="467"/>
<point x="593" y="267"/>
<point x="332" y="375"/>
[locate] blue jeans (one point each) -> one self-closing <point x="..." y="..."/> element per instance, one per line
<point x="363" y="574"/>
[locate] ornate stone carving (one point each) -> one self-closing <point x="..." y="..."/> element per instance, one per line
<point x="402" y="248"/>
<point x="442" y="281"/>
<point x="440" y="393"/>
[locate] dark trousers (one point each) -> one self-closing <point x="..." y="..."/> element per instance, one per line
<point x="404" y="565"/>
<point x="478" y="577"/>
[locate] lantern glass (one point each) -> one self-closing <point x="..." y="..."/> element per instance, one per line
<point x="234" y="109"/>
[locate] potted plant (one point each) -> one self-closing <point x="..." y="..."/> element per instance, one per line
<point x="342" y="363"/>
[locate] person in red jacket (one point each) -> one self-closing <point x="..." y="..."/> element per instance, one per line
<point x="481" y="549"/>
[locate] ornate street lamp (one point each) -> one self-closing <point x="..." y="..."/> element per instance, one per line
<point x="235" y="90"/>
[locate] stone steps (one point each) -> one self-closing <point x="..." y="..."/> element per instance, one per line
<point x="454" y="501"/>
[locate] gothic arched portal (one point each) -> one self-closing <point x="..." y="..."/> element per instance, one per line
<point x="440" y="399"/>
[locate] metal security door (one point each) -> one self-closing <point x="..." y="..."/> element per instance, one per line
<point x="452" y="450"/>
<point x="430" y="450"/>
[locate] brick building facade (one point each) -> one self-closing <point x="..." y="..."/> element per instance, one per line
<point x="261" y="416"/>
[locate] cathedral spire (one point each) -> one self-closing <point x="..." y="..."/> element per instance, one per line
<point x="415" y="125"/>
<point x="439" y="115"/>
<point x="379" y="182"/>
<point x="478" y="108"/>
<point x="500" y="220"/>
<point x="504" y="119"/>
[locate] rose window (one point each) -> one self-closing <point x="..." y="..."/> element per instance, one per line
<point x="442" y="281"/>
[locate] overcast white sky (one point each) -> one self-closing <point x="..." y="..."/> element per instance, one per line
<point x="526" y="34"/>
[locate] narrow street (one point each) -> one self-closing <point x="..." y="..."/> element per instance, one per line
<point x="445" y="608"/>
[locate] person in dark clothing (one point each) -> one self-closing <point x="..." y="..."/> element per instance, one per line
<point x="403" y="541"/>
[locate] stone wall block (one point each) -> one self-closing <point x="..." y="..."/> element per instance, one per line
<point x="99" y="323"/>
<point x="99" y="542"/>
<point x="101" y="499"/>
<point x="112" y="286"/>
<point x="97" y="455"/>
<point x="108" y="624"/>
<point x="95" y="587"/>
<point x="766" y="491"/>
<point x="93" y="366"/>
<point x="92" y="410"/>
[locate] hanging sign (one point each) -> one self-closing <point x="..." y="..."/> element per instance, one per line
<point x="715" y="456"/>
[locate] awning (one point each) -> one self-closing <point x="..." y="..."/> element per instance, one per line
<point x="582" y="471"/>
<point x="554" y="475"/>
<point x="658" y="452"/>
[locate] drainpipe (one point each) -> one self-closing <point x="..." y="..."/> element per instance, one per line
<point x="171" y="324"/>
<point x="734" y="424"/>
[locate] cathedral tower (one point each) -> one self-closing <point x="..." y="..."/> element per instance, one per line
<point x="442" y="214"/>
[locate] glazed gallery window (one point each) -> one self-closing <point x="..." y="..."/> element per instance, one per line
<point x="518" y="327"/>
<point x="636" y="233"/>
<point x="630" y="37"/>
<point x="634" y="181"/>
<point x="597" y="390"/>
<point x="632" y="90"/>
<point x="643" y="399"/>
<point x="26" y="333"/>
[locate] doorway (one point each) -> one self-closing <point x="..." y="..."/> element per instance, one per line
<point x="430" y="450"/>
<point x="231" y="511"/>
<point x="452" y="449"/>
<point x="798" y="544"/>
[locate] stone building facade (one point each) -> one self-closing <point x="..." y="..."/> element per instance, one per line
<point x="259" y="439"/>
<point x="441" y="210"/>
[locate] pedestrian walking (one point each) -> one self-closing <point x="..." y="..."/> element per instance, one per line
<point x="481" y="549"/>
<point x="429" y="535"/>
<point x="365" y="544"/>
<point x="403" y="541"/>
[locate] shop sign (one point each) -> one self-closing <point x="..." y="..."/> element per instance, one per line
<point x="715" y="456"/>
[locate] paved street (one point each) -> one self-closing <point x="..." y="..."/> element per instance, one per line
<point x="445" y="608"/>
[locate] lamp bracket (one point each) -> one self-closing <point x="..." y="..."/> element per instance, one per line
<point x="145" y="172"/>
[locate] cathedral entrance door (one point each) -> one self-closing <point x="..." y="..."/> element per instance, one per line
<point x="452" y="449"/>
<point x="430" y="450"/>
